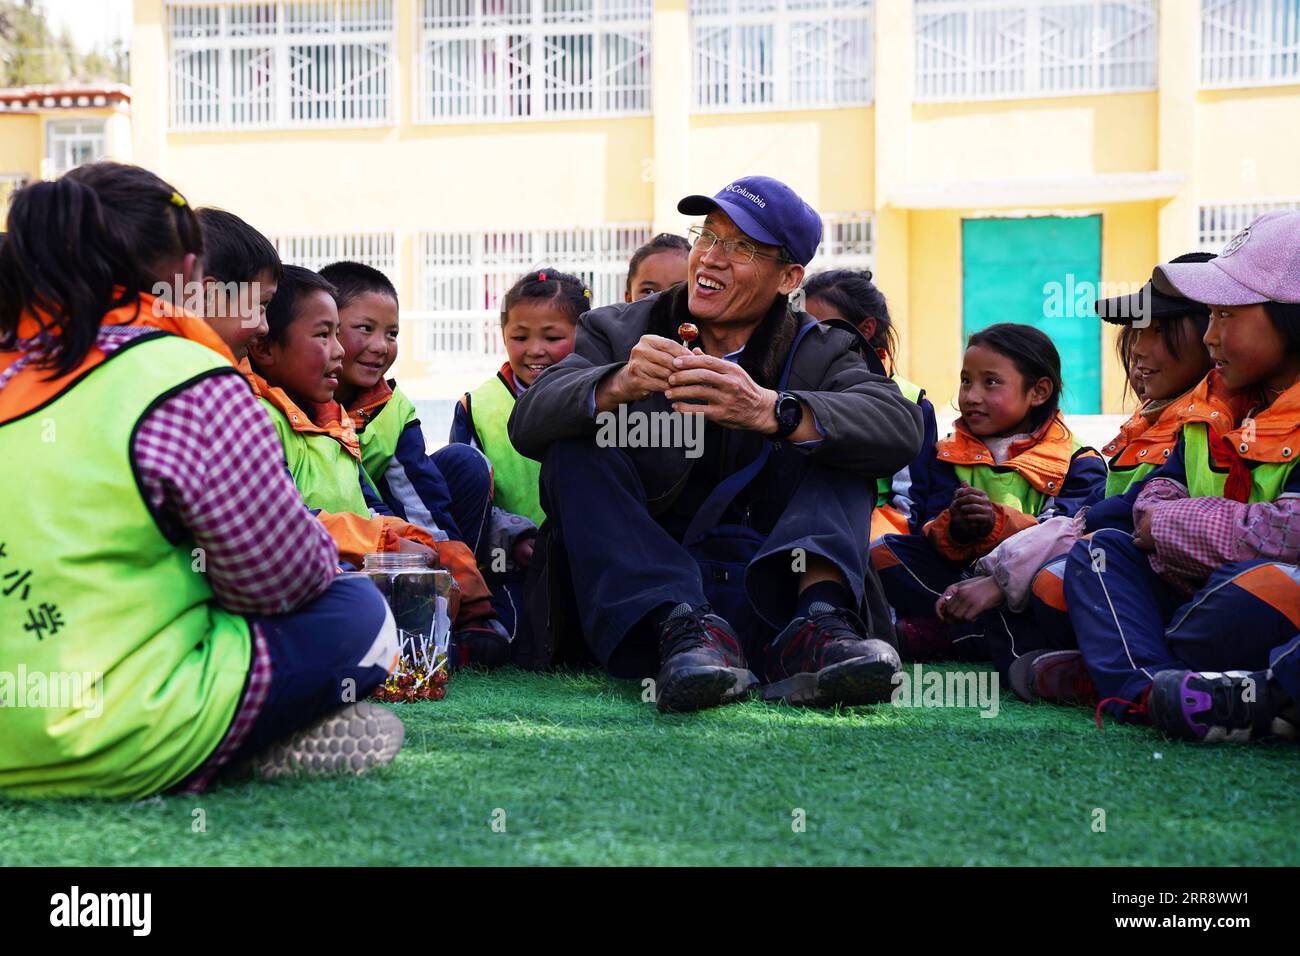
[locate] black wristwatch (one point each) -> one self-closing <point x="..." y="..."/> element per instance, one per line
<point x="789" y="413"/>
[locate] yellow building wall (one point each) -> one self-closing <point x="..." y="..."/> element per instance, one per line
<point x="23" y="136"/>
<point x="21" y="143"/>
<point x="826" y="156"/>
<point x="934" y="291"/>
<point x="1033" y="139"/>
<point x="1249" y="144"/>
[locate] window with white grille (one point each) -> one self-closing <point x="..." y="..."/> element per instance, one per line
<point x="375" y="249"/>
<point x="510" y="59"/>
<point x="10" y="183"/>
<point x="1222" y="221"/>
<point x="1249" y="42"/>
<point x="69" y="143"/>
<point x="283" y="64"/>
<point x="464" y="275"/>
<point x="848" y="242"/>
<point x="773" y="54"/>
<point x="1003" y="49"/>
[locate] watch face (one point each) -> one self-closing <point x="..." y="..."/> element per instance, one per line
<point x="788" y="412"/>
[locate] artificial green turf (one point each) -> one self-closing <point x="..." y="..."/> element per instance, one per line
<point x="587" y="773"/>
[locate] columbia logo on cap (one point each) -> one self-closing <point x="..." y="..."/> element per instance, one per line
<point x="1236" y="242"/>
<point x="752" y="197"/>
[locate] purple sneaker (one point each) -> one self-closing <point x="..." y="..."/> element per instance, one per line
<point x="1235" y="706"/>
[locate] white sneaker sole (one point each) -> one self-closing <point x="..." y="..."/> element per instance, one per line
<point x="351" y="740"/>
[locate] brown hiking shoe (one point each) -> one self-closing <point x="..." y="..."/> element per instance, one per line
<point x="1058" y="676"/>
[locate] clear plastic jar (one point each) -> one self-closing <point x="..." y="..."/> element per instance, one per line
<point x="421" y="598"/>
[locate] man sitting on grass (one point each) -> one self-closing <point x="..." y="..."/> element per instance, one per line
<point x="621" y="513"/>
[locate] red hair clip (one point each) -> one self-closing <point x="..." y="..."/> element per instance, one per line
<point x="541" y="277"/>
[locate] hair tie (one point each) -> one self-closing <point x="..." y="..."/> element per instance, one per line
<point x="541" y="277"/>
<point x="177" y="199"/>
<point x="586" y="293"/>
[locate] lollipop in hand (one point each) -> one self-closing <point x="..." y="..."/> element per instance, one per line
<point x="688" y="332"/>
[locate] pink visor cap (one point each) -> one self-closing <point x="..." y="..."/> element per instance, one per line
<point x="1259" y="264"/>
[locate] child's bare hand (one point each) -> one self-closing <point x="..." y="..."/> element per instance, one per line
<point x="967" y="600"/>
<point x="1142" y="538"/>
<point x="972" y="514"/>
<point x="524" y="551"/>
<point x="408" y="546"/>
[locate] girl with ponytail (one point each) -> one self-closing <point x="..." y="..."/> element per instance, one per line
<point x="148" y="467"/>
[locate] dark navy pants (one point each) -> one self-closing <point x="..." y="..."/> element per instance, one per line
<point x="624" y="563"/>
<point x="469" y="479"/>
<point x="1131" y="624"/>
<point x="332" y="651"/>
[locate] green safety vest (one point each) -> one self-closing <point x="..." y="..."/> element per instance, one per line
<point x="1267" y="478"/>
<point x="885" y="486"/>
<point x="379" y="436"/>
<point x="326" y="475"/>
<point x="514" y="476"/>
<point x="98" y="590"/>
<point x="1009" y="487"/>
<point x="1121" y="480"/>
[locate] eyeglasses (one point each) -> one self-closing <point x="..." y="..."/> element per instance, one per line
<point x="740" y="251"/>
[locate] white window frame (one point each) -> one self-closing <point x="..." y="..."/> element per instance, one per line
<point x="316" y="250"/>
<point x="10" y="183"/>
<point x="235" y="36"/>
<point x="1234" y="54"/>
<point x="1219" y="222"/>
<point x="64" y="135"/>
<point x="848" y="242"/>
<point x="789" y="22"/>
<point x="499" y="28"/>
<point x="481" y="266"/>
<point x="1027" y="55"/>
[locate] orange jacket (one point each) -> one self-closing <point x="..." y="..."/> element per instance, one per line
<point x="1051" y="464"/>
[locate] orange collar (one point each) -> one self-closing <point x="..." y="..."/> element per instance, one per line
<point x="326" y="419"/>
<point x="161" y="314"/>
<point x="147" y="310"/>
<point x="1141" y="440"/>
<point x="1271" y="436"/>
<point x="1042" y="459"/>
<point x="369" y="403"/>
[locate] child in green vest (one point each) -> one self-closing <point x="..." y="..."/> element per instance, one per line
<point x="1018" y="587"/>
<point x="539" y="322"/>
<point x="241" y="272"/>
<point x="1010" y="462"/>
<point x="448" y="491"/>
<point x="199" y="613"/>
<point x="904" y="501"/>
<point x="1188" y="620"/>
<point x="295" y="370"/>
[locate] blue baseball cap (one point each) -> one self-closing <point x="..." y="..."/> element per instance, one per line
<point x="767" y="210"/>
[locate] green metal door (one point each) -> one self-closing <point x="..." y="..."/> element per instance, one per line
<point x="1044" y="272"/>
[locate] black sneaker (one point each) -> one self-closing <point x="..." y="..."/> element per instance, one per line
<point x="703" y="665"/>
<point x="824" y="659"/>
<point x="1211" y="708"/>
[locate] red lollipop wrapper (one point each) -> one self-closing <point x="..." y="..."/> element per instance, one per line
<point x="688" y="332"/>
